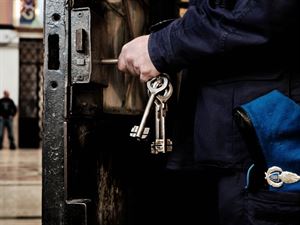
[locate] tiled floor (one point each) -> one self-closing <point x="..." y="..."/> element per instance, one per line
<point x="20" y="222"/>
<point x="20" y="186"/>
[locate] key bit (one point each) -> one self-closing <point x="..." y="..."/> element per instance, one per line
<point x="169" y="145"/>
<point x="158" y="146"/>
<point x="161" y="146"/>
<point x="144" y="134"/>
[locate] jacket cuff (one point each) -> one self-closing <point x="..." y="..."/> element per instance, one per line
<point x="160" y="50"/>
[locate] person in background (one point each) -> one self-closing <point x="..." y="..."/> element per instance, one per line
<point x="8" y="110"/>
<point x="233" y="52"/>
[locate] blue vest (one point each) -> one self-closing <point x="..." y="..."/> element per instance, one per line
<point x="276" y="121"/>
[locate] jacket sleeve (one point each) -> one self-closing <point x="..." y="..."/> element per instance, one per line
<point x="207" y="30"/>
<point x="13" y="108"/>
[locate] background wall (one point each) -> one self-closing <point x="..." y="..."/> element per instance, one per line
<point x="6" y="11"/>
<point x="9" y="63"/>
<point x="12" y="24"/>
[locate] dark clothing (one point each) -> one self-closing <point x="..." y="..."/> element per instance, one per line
<point x="8" y="110"/>
<point x="235" y="51"/>
<point x="8" y="124"/>
<point x="251" y="28"/>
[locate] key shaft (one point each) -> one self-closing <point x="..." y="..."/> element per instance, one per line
<point x="161" y="144"/>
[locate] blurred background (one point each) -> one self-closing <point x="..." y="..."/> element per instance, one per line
<point x="21" y="74"/>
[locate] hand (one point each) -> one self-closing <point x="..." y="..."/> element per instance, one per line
<point x="134" y="59"/>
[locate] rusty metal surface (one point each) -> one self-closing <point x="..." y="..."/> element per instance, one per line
<point x="86" y="36"/>
<point x="56" y="25"/>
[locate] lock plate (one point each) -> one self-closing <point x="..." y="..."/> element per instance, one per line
<point x="85" y="47"/>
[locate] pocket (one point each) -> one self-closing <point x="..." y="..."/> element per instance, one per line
<point x="273" y="208"/>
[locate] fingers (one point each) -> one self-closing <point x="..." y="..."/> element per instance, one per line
<point x="134" y="59"/>
<point x="121" y="63"/>
<point x="144" y="77"/>
<point x="127" y="63"/>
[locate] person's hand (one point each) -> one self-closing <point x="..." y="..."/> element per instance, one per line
<point x="134" y="59"/>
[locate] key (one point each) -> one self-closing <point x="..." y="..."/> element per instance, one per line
<point x="161" y="144"/>
<point x="158" y="145"/>
<point x="155" y="86"/>
<point x="158" y="109"/>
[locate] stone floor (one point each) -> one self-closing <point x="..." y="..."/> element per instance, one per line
<point x="20" y="186"/>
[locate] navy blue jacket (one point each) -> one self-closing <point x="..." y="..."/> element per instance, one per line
<point x="235" y="51"/>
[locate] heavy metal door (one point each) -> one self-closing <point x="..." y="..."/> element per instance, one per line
<point x="91" y="168"/>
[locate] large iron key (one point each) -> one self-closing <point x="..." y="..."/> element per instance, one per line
<point x="161" y="144"/>
<point x="155" y="86"/>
